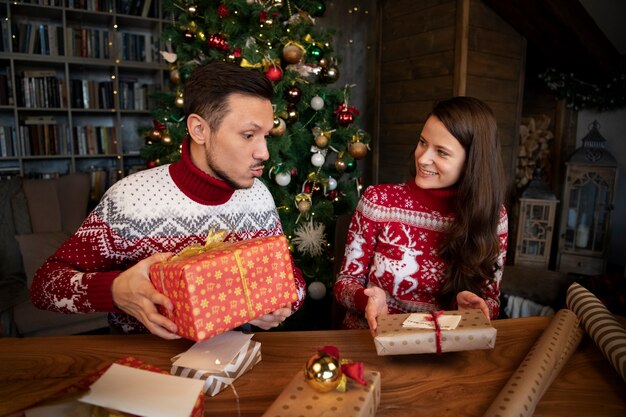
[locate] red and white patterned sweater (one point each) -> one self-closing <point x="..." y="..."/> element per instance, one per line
<point x="393" y="243"/>
<point x="163" y="209"/>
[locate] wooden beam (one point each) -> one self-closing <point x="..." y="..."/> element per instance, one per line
<point x="461" y="47"/>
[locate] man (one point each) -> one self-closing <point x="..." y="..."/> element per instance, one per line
<point x="148" y="216"/>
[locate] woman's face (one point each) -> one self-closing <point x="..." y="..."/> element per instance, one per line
<point x="439" y="157"/>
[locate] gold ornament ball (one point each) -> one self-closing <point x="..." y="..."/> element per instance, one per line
<point x="292" y="115"/>
<point x="331" y="74"/>
<point x="323" y="62"/>
<point x="292" y="54"/>
<point x="179" y="101"/>
<point x="323" y="372"/>
<point x="155" y="135"/>
<point x="321" y="141"/>
<point x="358" y="150"/>
<point x="340" y="165"/>
<point x="279" y="127"/>
<point x="304" y="206"/>
<point x="175" y="76"/>
<point x="166" y="138"/>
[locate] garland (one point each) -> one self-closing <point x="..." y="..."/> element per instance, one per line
<point x="579" y="94"/>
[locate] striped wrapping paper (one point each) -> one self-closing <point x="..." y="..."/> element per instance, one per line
<point x="599" y="323"/>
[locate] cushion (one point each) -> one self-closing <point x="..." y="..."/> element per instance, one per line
<point x="36" y="248"/>
<point x="73" y="197"/>
<point x="43" y="205"/>
<point x="21" y="218"/>
<point x="10" y="261"/>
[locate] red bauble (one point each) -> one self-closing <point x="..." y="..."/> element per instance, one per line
<point x="222" y="11"/>
<point x="274" y="73"/>
<point x="345" y="118"/>
<point x="217" y="41"/>
<point x="152" y="164"/>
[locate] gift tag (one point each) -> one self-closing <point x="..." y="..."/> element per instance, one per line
<point x="425" y="321"/>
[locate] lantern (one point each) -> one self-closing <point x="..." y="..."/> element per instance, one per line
<point x="536" y="224"/>
<point x="587" y="205"/>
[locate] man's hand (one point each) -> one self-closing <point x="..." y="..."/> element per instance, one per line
<point x="134" y="294"/>
<point x="376" y="306"/>
<point x="467" y="300"/>
<point x="273" y="319"/>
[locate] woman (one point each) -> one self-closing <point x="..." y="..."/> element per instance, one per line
<point x="439" y="240"/>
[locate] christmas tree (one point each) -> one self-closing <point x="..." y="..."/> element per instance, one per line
<point x="314" y="146"/>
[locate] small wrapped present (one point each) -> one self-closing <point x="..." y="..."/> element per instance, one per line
<point x="218" y="287"/>
<point x="218" y="361"/>
<point x="329" y="386"/>
<point x="473" y="332"/>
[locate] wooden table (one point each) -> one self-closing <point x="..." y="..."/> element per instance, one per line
<point x="452" y="384"/>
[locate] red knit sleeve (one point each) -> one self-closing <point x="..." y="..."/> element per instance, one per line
<point x="352" y="278"/>
<point x="300" y="287"/>
<point x="492" y="291"/>
<point x="69" y="281"/>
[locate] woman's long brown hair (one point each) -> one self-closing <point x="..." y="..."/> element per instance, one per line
<point x="472" y="247"/>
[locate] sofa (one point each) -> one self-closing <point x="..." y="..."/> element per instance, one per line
<point x="38" y="215"/>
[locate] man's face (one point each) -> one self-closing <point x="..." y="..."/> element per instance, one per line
<point x="236" y="152"/>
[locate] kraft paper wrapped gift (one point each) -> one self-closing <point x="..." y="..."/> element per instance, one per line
<point x="218" y="289"/>
<point x="299" y="399"/>
<point x="473" y="332"/>
<point x="218" y="361"/>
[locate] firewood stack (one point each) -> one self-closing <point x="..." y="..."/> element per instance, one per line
<point x="534" y="148"/>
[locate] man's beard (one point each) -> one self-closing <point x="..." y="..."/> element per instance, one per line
<point x="220" y="174"/>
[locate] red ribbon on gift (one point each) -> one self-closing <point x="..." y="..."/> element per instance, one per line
<point x="434" y="317"/>
<point x="353" y="370"/>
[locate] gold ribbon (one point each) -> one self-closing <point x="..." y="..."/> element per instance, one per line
<point x="244" y="284"/>
<point x="214" y="240"/>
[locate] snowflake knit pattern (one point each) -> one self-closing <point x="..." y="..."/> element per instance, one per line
<point x="393" y="243"/>
<point x="146" y="213"/>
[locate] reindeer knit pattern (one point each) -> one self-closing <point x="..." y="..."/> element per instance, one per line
<point x="163" y="209"/>
<point x="393" y="243"/>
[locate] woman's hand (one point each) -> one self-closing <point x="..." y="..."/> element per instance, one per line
<point x="376" y="306"/>
<point x="273" y="319"/>
<point x="467" y="300"/>
<point x="134" y="294"/>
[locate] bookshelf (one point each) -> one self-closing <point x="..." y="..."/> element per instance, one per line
<point x="75" y="82"/>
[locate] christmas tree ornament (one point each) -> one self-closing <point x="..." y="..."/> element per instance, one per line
<point x="310" y="239"/>
<point x="293" y="94"/>
<point x="283" y="179"/>
<point x="357" y="149"/>
<point x="166" y="138"/>
<point x="152" y="164"/>
<point x="175" y="76"/>
<point x="323" y="372"/>
<point x="314" y="52"/>
<point x="274" y="73"/>
<point x="277" y="3"/>
<point x="155" y="135"/>
<point x="317" y="103"/>
<point x="319" y="8"/>
<point x="188" y="36"/>
<point x="222" y="11"/>
<point x="317" y="159"/>
<point x="292" y="115"/>
<point x="293" y="53"/>
<point x="321" y="140"/>
<point x="350" y="166"/>
<point x="192" y="10"/>
<point x="169" y="56"/>
<point x="179" y="101"/>
<point x="340" y="164"/>
<point x="316" y="290"/>
<point x="280" y="127"/>
<point x="330" y="74"/>
<point x="303" y="203"/>
<point x="345" y="118"/>
<point x="332" y="183"/>
<point x="217" y="41"/>
<point x="323" y="62"/>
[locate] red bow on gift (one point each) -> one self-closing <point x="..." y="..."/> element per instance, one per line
<point x="353" y="370"/>
<point x="434" y="317"/>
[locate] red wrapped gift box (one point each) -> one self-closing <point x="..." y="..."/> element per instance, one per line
<point x="221" y="288"/>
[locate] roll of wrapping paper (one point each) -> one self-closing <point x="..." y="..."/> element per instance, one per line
<point x="600" y="324"/>
<point x="542" y="364"/>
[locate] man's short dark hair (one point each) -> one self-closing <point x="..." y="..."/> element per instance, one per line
<point x="207" y="90"/>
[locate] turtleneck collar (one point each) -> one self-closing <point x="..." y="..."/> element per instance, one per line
<point x="442" y="200"/>
<point x="196" y="184"/>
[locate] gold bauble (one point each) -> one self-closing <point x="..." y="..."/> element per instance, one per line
<point x="304" y="206"/>
<point x="358" y="150"/>
<point x="340" y="165"/>
<point x="292" y="115"/>
<point x="279" y="127"/>
<point x="292" y="54"/>
<point x="323" y="62"/>
<point x="166" y="138"/>
<point x="321" y="141"/>
<point x="179" y="101"/>
<point x="175" y="76"/>
<point x="323" y="372"/>
<point x="155" y="135"/>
